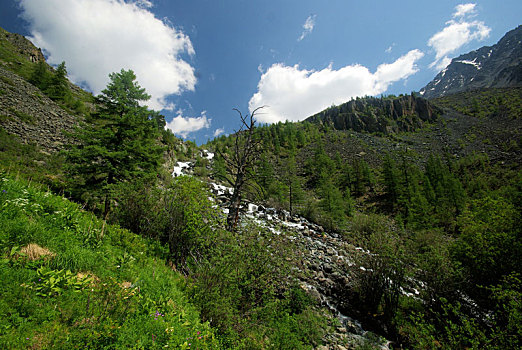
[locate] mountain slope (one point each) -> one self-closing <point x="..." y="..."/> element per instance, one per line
<point x="26" y="112"/>
<point x="499" y="65"/>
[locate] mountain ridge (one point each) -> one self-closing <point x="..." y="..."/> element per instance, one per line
<point x="499" y="65"/>
<point x="385" y="115"/>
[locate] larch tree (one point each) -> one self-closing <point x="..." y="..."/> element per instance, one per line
<point x="119" y="143"/>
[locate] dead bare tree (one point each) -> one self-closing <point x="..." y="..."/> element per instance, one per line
<point x="240" y="164"/>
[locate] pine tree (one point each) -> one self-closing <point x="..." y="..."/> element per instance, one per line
<point x="119" y="144"/>
<point x="332" y="201"/>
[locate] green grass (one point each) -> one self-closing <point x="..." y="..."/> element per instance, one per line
<point x="28" y="162"/>
<point x="92" y="286"/>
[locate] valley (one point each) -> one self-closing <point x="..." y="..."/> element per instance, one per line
<point x="380" y="223"/>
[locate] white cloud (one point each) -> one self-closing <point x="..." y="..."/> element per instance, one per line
<point x="97" y="37"/>
<point x="219" y="132"/>
<point x="183" y="126"/>
<point x="291" y="93"/>
<point x="308" y="27"/>
<point x="464" y="9"/>
<point x="456" y="34"/>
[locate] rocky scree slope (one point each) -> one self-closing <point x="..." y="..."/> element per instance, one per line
<point x="499" y="65"/>
<point x="26" y="112"/>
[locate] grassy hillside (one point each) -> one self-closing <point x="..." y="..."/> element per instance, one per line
<point x="69" y="281"/>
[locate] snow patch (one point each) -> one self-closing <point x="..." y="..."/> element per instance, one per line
<point x="473" y="63"/>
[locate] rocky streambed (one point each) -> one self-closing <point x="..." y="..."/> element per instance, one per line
<point x="326" y="262"/>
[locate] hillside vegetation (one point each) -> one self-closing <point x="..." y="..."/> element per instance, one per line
<point x="71" y="281"/>
<point x="401" y="213"/>
<point x="447" y="219"/>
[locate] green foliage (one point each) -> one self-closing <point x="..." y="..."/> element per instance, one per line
<point x="332" y="202"/>
<point x="119" y="143"/>
<point x="242" y="289"/>
<point x="378" y="284"/>
<point x="51" y="283"/>
<point x="502" y="102"/>
<point x="58" y="86"/>
<point x="41" y="76"/>
<point x="113" y="295"/>
<point x="180" y="216"/>
<point x="490" y="239"/>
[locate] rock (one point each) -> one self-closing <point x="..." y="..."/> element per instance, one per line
<point x="31" y="115"/>
<point x="327" y="268"/>
<point x="405" y="113"/>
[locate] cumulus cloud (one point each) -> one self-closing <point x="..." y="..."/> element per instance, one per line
<point x="183" y="126"/>
<point x="464" y="9"/>
<point x="219" y="132"/>
<point x="97" y="37"/>
<point x="457" y="33"/>
<point x="308" y="27"/>
<point x="291" y="93"/>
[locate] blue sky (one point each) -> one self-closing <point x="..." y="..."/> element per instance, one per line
<point x="201" y="58"/>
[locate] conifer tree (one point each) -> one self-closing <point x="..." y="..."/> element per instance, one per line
<point x="293" y="183"/>
<point x="119" y="144"/>
<point x="57" y="88"/>
<point x="40" y="76"/>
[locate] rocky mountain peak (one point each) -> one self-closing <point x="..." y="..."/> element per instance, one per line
<point x="499" y="65"/>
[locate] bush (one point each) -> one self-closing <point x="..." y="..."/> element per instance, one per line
<point x="180" y="216"/>
<point x="245" y="290"/>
